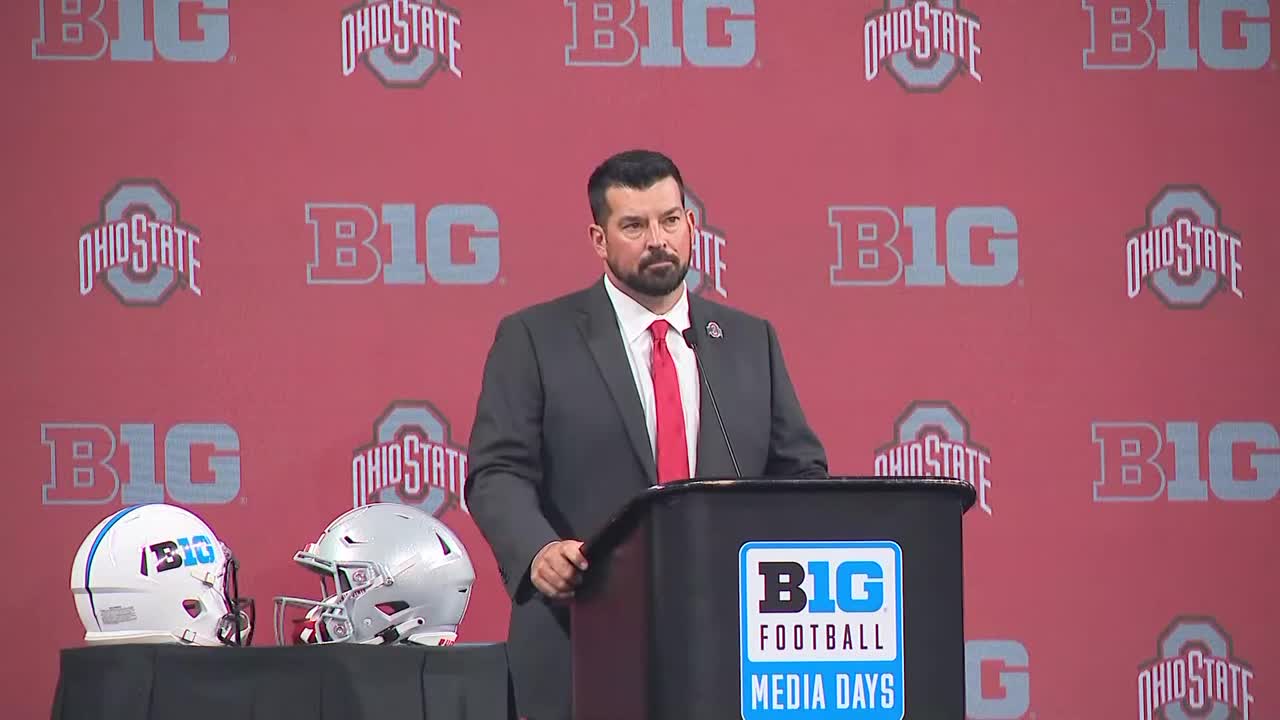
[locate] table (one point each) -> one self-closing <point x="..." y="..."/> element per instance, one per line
<point x="325" y="682"/>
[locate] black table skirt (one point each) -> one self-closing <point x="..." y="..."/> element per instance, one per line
<point x="331" y="682"/>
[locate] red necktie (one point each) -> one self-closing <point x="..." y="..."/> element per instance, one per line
<point x="673" y="452"/>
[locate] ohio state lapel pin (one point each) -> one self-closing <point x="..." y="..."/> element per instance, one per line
<point x="714" y="330"/>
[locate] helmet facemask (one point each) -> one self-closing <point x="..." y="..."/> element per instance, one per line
<point x="329" y="619"/>
<point x="235" y="628"/>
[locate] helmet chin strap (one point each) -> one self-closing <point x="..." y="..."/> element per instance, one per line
<point x="393" y="634"/>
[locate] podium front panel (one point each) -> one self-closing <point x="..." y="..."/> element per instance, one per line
<point x="694" y="611"/>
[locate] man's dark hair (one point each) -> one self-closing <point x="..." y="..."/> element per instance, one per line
<point x="635" y="169"/>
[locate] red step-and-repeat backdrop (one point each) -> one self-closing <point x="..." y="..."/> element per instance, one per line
<point x="251" y="240"/>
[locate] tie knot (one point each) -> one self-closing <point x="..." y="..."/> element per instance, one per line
<point x="659" y="330"/>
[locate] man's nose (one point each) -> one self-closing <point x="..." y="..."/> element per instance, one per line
<point x="654" y="237"/>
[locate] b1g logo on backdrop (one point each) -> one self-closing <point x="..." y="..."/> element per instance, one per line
<point x="402" y="42"/>
<point x="922" y="44"/>
<point x="92" y="464"/>
<point x="139" y="247"/>
<point x="979" y="246"/>
<point x="1243" y="461"/>
<point x="706" y="264"/>
<point x="133" y="30"/>
<point x="821" y="629"/>
<point x="1184" y="253"/>
<point x="931" y="439"/>
<point x="997" y="680"/>
<point x="1160" y="34"/>
<point x="350" y="250"/>
<point x="661" y="33"/>
<point x="412" y="460"/>
<point x="1195" y="675"/>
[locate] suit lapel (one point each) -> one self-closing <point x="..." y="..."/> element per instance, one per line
<point x="713" y="456"/>
<point x="599" y="328"/>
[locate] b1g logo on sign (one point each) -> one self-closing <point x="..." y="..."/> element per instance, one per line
<point x="201" y="464"/>
<point x="868" y="253"/>
<point x="661" y="33"/>
<point x="1195" y="676"/>
<point x="1229" y="34"/>
<point x="1183" y="253"/>
<point x="349" y="249"/>
<point x="177" y="30"/>
<point x="706" y="264"/>
<point x="139" y="246"/>
<point x="1244" y="462"/>
<point x="821" y="629"/>
<point x="403" y="42"/>
<point x="412" y="461"/>
<point x="931" y="439"/>
<point x="925" y="43"/>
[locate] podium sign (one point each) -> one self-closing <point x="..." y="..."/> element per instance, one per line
<point x="821" y="629"/>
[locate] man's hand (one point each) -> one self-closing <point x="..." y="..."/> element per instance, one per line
<point x="557" y="569"/>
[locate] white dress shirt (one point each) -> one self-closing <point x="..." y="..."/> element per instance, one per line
<point x="634" y="320"/>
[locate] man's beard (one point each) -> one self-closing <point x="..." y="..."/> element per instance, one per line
<point x="654" y="281"/>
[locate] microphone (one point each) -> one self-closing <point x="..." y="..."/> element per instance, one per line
<point x="691" y="339"/>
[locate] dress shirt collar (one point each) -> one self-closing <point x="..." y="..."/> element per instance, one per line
<point x="635" y="319"/>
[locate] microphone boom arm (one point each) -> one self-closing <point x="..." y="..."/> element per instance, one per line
<point x="690" y="339"/>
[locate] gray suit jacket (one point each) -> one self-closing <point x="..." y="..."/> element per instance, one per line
<point x="559" y="444"/>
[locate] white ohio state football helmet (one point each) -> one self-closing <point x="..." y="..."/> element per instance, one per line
<point x="158" y="574"/>
<point x="399" y="576"/>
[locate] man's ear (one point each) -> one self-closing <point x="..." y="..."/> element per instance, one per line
<point x="598" y="240"/>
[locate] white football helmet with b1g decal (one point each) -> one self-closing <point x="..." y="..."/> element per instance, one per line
<point x="157" y="574"/>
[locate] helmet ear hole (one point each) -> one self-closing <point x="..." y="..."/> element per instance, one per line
<point x="193" y="607"/>
<point x="393" y="607"/>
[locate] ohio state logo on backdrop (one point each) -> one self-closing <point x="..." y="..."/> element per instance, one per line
<point x="97" y="463"/>
<point x="1195" y="675"/>
<point x="1134" y="467"/>
<point x="922" y="44"/>
<point x="931" y="439"/>
<point x="706" y="263"/>
<point x="87" y="29"/>
<point x="1168" y="35"/>
<point x="412" y="460"/>
<point x="661" y="33"/>
<point x="402" y="42"/>
<point x="139" y="247"/>
<point x="979" y="246"/>
<point x="458" y="246"/>
<point x="1184" y="253"/>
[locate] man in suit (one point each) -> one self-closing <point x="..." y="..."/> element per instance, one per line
<point x="590" y="398"/>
